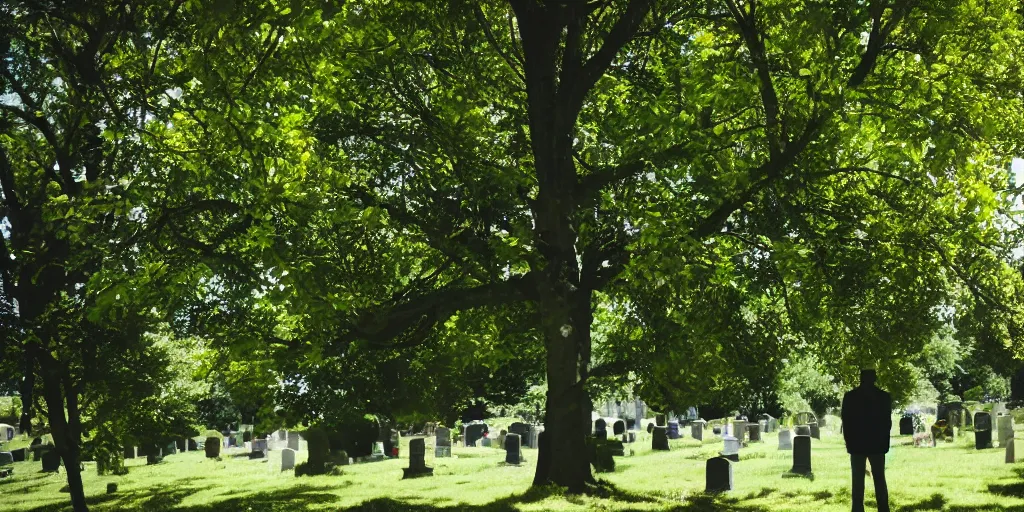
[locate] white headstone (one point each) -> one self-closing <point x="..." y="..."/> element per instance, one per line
<point x="785" y="439"/>
<point x="732" y="445"/>
<point x="1005" y="425"/>
<point x="287" y="459"/>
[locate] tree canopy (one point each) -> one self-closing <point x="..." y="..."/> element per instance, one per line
<point x="409" y="206"/>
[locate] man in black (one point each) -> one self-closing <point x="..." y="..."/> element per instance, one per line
<point x="867" y="419"/>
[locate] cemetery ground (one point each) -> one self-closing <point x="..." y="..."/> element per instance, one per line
<point x="952" y="477"/>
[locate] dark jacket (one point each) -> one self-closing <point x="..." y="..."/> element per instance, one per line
<point x="867" y="419"/>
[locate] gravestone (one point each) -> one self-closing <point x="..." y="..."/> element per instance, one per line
<point x="716" y="430"/>
<point x="535" y="431"/>
<point x="1011" y="455"/>
<point x="718" y="475"/>
<point x="20" y="454"/>
<point x="600" y="429"/>
<point x="650" y="428"/>
<point x="659" y="441"/>
<point x="601" y="455"/>
<point x="785" y="439"/>
<point x="282" y="435"/>
<point x="731" y="448"/>
<point x="660" y="420"/>
<point x="287" y="459"/>
<point x="803" y="430"/>
<point x="417" y="464"/>
<point x="259" y="449"/>
<point x="523" y="430"/>
<point x="1005" y="429"/>
<point x="739" y="429"/>
<point x="618" y="427"/>
<point x="6" y="458"/>
<point x="673" y="429"/>
<point x="473" y="433"/>
<point x="171" y="448"/>
<point x="442" y="442"/>
<point x="129" y="452"/>
<point x="801" y="455"/>
<point x="513" y="451"/>
<point x="212" y="447"/>
<point x="501" y="438"/>
<point x="485" y="442"/>
<point x="697" y="430"/>
<point x="906" y="426"/>
<point x="815" y="430"/>
<point x="763" y="425"/>
<point x="293" y="441"/>
<point x="51" y="461"/>
<point x="754" y="431"/>
<point x="629" y="437"/>
<point x="982" y="430"/>
<point x="191" y="444"/>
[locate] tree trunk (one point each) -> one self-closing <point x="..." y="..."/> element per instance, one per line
<point x="27" y="386"/>
<point x="66" y="437"/>
<point x="567" y="420"/>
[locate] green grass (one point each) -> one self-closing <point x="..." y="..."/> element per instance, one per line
<point x="952" y="477"/>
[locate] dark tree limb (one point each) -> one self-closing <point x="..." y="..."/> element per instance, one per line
<point x="426" y="310"/>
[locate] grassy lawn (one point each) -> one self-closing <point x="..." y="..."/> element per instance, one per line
<point x="951" y="477"/>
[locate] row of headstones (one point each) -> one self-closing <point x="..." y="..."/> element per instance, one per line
<point x="719" y="471"/>
<point x="44" y="453"/>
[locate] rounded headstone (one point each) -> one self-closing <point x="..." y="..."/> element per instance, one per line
<point x="718" y="475"/>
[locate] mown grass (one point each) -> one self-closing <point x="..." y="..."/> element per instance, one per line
<point x="952" y="477"/>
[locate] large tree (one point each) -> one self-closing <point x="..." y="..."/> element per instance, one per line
<point x="537" y="152"/>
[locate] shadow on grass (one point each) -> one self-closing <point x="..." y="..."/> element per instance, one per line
<point x="935" y="502"/>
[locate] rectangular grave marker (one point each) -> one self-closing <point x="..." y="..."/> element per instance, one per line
<point x="287" y="459"/>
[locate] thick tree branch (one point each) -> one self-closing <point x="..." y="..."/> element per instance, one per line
<point x="425" y="310"/>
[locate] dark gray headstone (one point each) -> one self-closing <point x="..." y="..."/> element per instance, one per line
<point x="697" y="430"/>
<point x="660" y="439"/>
<point x="513" y="451"/>
<point x="802" y="455"/>
<point x="618" y="427"/>
<point x="660" y="420"/>
<point x="20" y="455"/>
<point x="473" y="433"/>
<point x="982" y="421"/>
<point x="6" y="458"/>
<point x="803" y="430"/>
<point x="718" y="473"/>
<point x="650" y="428"/>
<point x="754" y="431"/>
<point x="51" y="461"/>
<point x="523" y="430"/>
<point x="906" y="426"/>
<point x="442" y="442"/>
<point x="815" y="430"/>
<point x="601" y="429"/>
<point x="417" y="463"/>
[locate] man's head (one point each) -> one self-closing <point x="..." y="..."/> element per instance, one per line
<point x="868" y="377"/>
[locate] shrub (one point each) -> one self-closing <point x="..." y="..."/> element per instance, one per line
<point x="319" y="451"/>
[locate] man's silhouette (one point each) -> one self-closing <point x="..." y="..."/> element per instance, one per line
<point x="867" y="419"/>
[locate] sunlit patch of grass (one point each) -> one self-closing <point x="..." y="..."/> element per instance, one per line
<point x="951" y="477"/>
